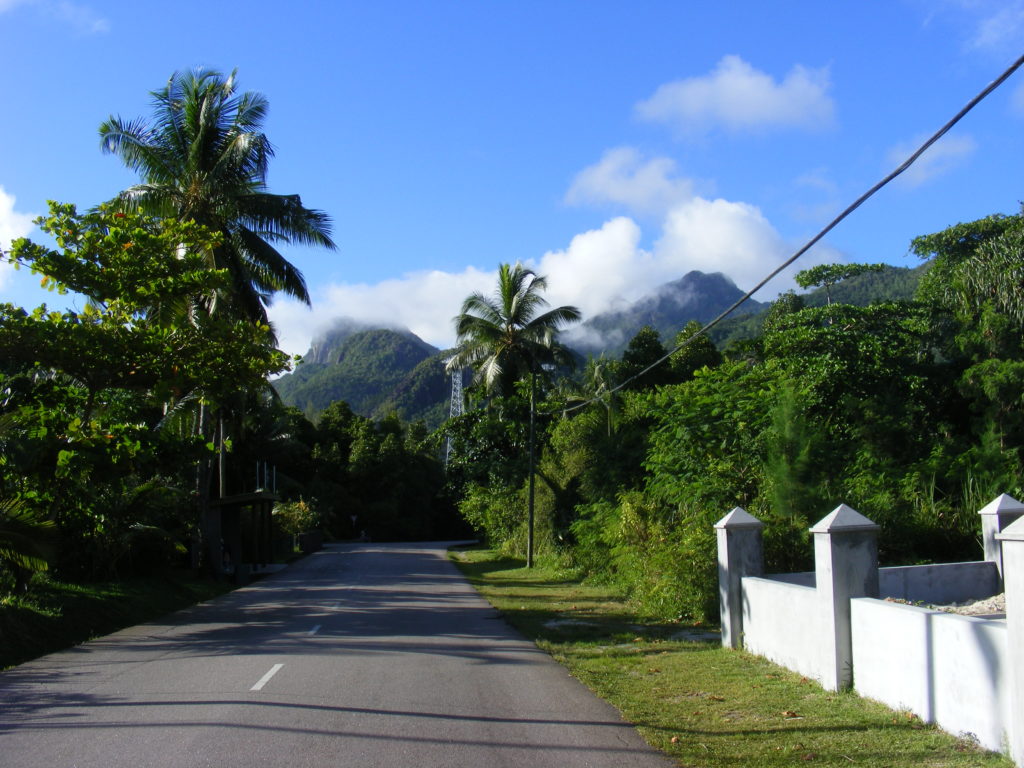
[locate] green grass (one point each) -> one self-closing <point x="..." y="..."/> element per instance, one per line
<point x="55" y="615"/>
<point x="699" y="703"/>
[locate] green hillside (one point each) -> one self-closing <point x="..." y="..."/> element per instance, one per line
<point x="374" y="371"/>
<point x="889" y="284"/>
<point x="423" y="394"/>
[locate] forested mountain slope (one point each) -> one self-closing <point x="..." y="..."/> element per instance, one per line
<point x="373" y="370"/>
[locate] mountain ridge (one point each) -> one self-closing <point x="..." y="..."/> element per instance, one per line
<point x="378" y="370"/>
<point x="696" y="296"/>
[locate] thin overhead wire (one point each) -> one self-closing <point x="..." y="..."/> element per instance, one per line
<point x="814" y="240"/>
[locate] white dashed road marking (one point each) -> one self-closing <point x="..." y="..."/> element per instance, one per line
<point x="266" y="678"/>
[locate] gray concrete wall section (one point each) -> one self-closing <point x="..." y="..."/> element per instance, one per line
<point x="740" y="553"/>
<point x="947" y="669"/>
<point x="940" y="584"/>
<point x="806" y="579"/>
<point x="996" y="516"/>
<point x="1012" y="541"/>
<point x="781" y="622"/>
<point x="846" y="566"/>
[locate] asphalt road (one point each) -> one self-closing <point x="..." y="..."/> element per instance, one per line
<point x="359" y="655"/>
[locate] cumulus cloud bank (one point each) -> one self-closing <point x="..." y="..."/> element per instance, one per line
<point x="424" y="302"/>
<point x="12" y="226"/>
<point x="601" y="269"/>
<point x="738" y="97"/>
<point x="623" y="176"/>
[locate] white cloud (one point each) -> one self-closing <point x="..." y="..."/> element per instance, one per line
<point x="600" y="269"/>
<point x="623" y="176"/>
<point x="943" y="156"/>
<point x="720" y="236"/>
<point x="738" y="97"/>
<point x="12" y="226"/>
<point x="1000" y="27"/>
<point x="424" y="302"/>
<point x="736" y="239"/>
<point x="1017" y="100"/>
<point x="81" y="18"/>
<point x="994" y="28"/>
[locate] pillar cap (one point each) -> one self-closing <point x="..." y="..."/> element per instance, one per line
<point x="1002" y="504"/>
<point x="844" y="519"/>
<point x="739" y="518"/>
<point x="1012" y="532"/>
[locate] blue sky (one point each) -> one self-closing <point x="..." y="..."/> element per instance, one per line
<point x="611" y="146"/>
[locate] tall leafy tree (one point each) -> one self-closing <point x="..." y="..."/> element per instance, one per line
<point x="827" y="275"/>
<point x="203" y="157"/>
<point x="697" y="354"/>
<point x="644" y="350"/>
<point x="508" y="337"/>
<point x="93" y="395"/>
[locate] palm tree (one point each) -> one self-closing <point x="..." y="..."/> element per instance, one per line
<point x="508" y="337"/>
<point x="203" y="157"/>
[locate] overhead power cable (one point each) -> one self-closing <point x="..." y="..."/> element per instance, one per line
<point x="814" y="240"/>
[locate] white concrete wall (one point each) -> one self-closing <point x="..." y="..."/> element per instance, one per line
<point x="940" y="584"/>
<point x="780" y="622"/>
<point x="947" y="669"/>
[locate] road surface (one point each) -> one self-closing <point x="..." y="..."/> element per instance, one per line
<point x="359" y="655"/>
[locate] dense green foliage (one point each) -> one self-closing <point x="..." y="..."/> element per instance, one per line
<point x="910" y="410"/>
<point x="92" y="439"/>
<point x="380" y="479"/>
<point x="102" y="428"/>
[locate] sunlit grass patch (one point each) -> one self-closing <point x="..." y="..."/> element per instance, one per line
<point x="701" y="704"/>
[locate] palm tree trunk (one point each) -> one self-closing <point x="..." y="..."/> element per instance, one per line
<point x="529" y="530"/>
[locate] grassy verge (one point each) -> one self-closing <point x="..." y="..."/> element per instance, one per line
<point x="700" y="704"/>
<point x="56" y="615"/>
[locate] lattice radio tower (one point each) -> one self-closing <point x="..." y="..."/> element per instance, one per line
<point x="456" y="407"/>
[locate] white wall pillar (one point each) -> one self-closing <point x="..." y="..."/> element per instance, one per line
<point x="996" y="516"/>
<point x="740" y="553"/>
<point x="1012" y="541"/>
<point x="846" y="565"/>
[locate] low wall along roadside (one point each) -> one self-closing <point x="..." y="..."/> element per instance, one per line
<point x="853" y="623"/>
